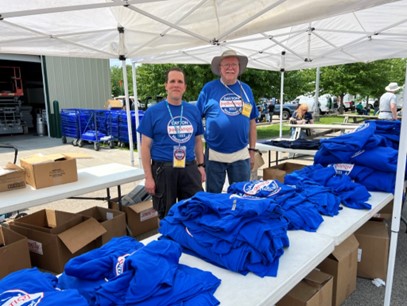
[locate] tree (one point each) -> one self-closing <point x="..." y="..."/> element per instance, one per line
<point x="365" y="79"/>
<point x="116" y="74"/>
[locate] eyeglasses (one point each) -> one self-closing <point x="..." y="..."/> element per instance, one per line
<point x="234" y="65"/>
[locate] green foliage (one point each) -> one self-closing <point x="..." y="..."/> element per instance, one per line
<point x="364" y="79"/>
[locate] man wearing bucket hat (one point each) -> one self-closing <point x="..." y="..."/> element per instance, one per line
<point x="230" y="113"/>
<point x="388" y="102"/>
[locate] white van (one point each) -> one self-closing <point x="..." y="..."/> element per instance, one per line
<point x="326" y="102"/>
<point x="348" y="102"/>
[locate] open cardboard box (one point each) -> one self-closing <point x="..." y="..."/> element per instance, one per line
<point x="314" y="290"/>
<point x="12" y="177"/>
<point x="50" y="170"/>
<point x="141" y="217"/>
<point x="60" y="237"/>
<point x="14" y="254"/>
<point x="114" y="221"/>
<point x="279" y="171"/>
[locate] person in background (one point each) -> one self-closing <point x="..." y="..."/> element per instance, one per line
<point x="271" y="109"/>
<point x="360" y="109"/>
<point x="266" y="112"/>
<point x="376" y="107"/>
<point x="388" y="102"/>
<point x="301" y="116"/>
<point x="229" y="108"/>
<point x="171" y="147"/>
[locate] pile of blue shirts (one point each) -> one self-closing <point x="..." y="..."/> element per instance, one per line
<point x="33" y="287"/>
<point x="351" y="194"/>
<point x="242" y="234"/>
<point x="368" y="155"/>
<point x="125" y="272"/>
<point x="299" y="211"/>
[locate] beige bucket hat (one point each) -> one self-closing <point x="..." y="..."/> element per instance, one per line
<point x="229" y="53"/>
<point x="393" y="86"/>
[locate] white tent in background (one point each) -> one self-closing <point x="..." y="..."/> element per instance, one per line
<point x="313" y="33"/>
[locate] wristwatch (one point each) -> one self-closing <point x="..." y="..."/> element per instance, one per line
<point x="201" y="165"/>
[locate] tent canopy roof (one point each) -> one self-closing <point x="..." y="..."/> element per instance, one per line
<point x="89" y="28"/>
<point x="363" y="36"/>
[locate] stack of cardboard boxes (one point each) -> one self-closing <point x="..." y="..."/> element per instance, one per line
<point x="363" y="254"/>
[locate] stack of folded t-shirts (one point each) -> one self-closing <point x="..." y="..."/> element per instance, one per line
<point x="351" y="194"/>
<point x="300" y="213"/>
<point x="368" y="155"/>
<point x="125" y="272"/>
<point x="33" y="287"/>
<point x="242" y="234"/>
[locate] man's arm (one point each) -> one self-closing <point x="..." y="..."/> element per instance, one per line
<point x="146" y="162"/>
<point x="200" y="156"/>
<point x="393" y="108"/>
<point x="252" y="140"/>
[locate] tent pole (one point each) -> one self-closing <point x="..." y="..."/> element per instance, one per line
<point x="398" y="200"/>
<point x="122" y="57"/>
<point x="316" y="98"/>
<point x="136" y="117"/>
<point x="128" y="113"/>
<point x="282" y="93"/>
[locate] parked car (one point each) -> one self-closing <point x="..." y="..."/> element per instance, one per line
<point x="288" y="109"/>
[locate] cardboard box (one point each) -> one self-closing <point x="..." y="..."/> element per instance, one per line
<point x="386" y="213"/>
<point x="49" y="170"/>
<point x="314" y="290"/>
<point x="113" y="221"/>
<point x="59" y="239"/>
<point x="49" y="221"/>
<point x="141" y="217"/>
<point x="342" y="265"/>
<point x="279" y="171"/>
<point x="113" y="104"/>
<point x="11" y="177"/>
<point x="14" y="254"/>
<point x="373" y="250"/>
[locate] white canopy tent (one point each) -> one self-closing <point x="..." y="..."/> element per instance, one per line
<point x="193" y="31"/>
<point x="81" y="28"/>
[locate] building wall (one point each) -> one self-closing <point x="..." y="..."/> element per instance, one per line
<point x="77" y="82"/>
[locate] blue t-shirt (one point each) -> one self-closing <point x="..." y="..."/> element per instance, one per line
<point x="227" y="129"/>
<point x="166" y="131"/>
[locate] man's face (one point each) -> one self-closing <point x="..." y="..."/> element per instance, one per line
<point x="229" y="70"/>
<point x="175" y="85"/>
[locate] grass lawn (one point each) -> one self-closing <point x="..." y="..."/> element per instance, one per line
<point x="273" y="130"/>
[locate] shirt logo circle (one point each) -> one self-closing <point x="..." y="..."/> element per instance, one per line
<point x="180" y="133"/>
<point x="231" y="104"/>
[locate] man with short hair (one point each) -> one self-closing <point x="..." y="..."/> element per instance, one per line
<point x="230" y="113"/>
<point x="171" y="147"/>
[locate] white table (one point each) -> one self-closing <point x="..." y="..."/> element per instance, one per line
<point x="306" y="251"/>
<point x="268" y="148"/>
<point x="349" y="220"/>
<point x="89" y="180"/>
<point x="357" y="118"/>
<point x="335" y="127"/>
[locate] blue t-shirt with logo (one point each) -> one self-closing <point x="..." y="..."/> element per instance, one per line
<point x="227" y="129"/>
<point x="164" y="128"/>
